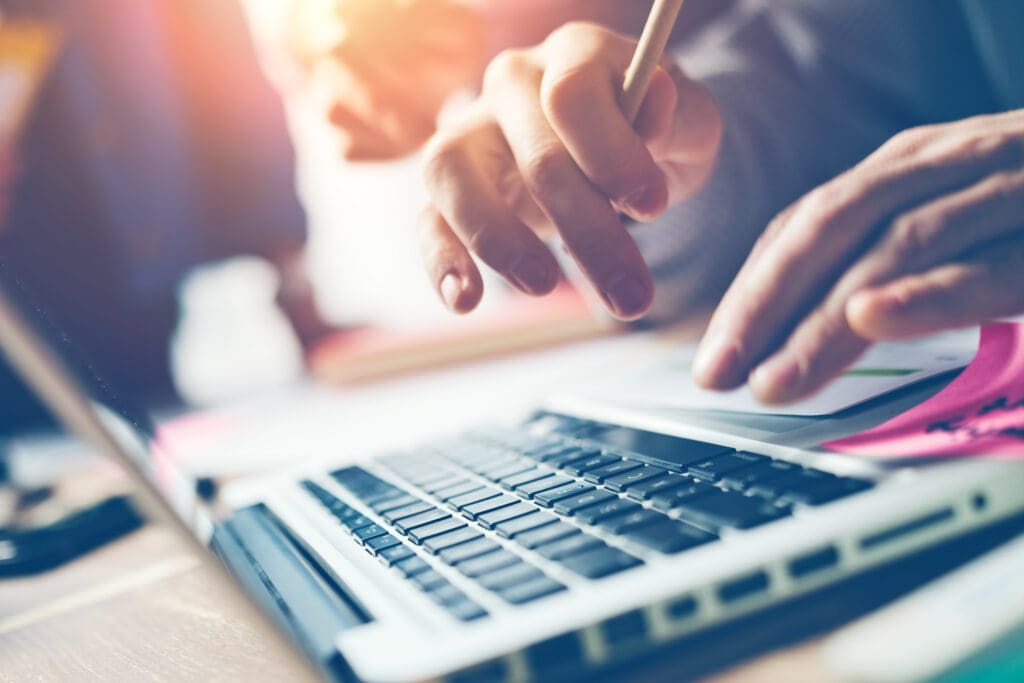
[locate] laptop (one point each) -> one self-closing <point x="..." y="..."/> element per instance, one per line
<point x="587" y="535"/>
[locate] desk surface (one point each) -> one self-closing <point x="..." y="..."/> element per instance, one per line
<point x="146" y="609"/>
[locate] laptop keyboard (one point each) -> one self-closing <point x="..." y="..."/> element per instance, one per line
<point x="595" y="500"/>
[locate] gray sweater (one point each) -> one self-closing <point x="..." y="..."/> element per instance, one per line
<point x="808" y="88"/>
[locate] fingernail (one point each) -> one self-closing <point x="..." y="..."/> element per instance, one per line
<point x="777" y="380"/>
<point x="530" y="275"/>
<point x="646" y="203"/>
<point x="717" y="364"/>
<point x="451" y="289"/>
<point x="628" y="296"/>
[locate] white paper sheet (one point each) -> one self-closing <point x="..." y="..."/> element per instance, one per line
<point x="882" y="369"/>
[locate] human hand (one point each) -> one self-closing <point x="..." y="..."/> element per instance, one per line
<point x="546" y="149"/>
<point x="926" y="234"/>
<point x="382" y="69"/>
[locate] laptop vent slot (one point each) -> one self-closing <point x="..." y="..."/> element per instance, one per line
<point x="681" y="609"/>
<point x="743" y="587"/>
<point x="907" y="528"/>
<point x="814" y="562"/>
<point x="625" y="633"/>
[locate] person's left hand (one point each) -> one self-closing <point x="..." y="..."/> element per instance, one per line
<point x="925" y="235"/>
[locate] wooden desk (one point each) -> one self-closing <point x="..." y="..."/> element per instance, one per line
<point x="144" y="609"/>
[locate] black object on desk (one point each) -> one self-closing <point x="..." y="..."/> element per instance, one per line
<point x="30" y="551"/>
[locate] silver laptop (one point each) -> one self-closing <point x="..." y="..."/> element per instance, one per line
<point x="585" y="536"/>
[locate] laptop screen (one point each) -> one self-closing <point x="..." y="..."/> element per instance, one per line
<point x="75" y="389"/>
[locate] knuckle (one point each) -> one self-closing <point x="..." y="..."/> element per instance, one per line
<point x="908" y="142"/>
<point x="443" y="153"/>
<point x="561" y="91"/>
<point x="827" y="206"/>
<point x="911" y="234"/>
<point x="508" y="64"/>
<point x="545" y="167"/>
<point x="572" y="33"/>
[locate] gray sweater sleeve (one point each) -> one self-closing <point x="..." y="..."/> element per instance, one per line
<point x="807" y="89"/>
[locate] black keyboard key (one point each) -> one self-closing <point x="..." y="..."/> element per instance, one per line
<point x="364" y="485"/>
<point x="509" y="576"/>
<point x="422" y="533"/>
<point x="552" y="496"/>
<point x="487" y="461"/>
<point x="429" y="580"/>
<point x="714" y="469"/>
<point x="808" y="487"/>
<point x="598" y="513"/>
<point x="532" y="489"/>
<point x="756" y="474"/>
<point x="487" y="505"/>
<point x="572" y="456"/>
<point x="622" y="482"/>
<point x="436" y="544"/>
<point x="365" y="533"/>
<point x="529" y="591"/>
<point x="567" y="547"/>
<point x="717" y="509"/>
<point x="569" y="506"/>
<point x="578" y="467"/>
<point x="412" y="566"/>
<point x="489" y="520"/>
<point x="407" y="511"/>
<point x="394" y="554"/>
<point x="799" y="478"/>
<point x="466" y="551"/>
<point x="481" y="494"/>
<point x="669" y="536"/>
<point x="444" y="484"/>
<point x="671" y="452"/>
<point x="447" y="595"/>
<point x="546" y="450"/>
<point x="600" y="562"/>
<point x="356" y="521"/>
<point x="382" y="542"/>
<point x="388" y="504"/>
<point x="467" y="610"/>
<point x="621" y="524"/>
<point x="524" y="478"/>
<point x="499" y="473"/>
<point x="464" y="486"/>
<point x="557" y="453"/>
<point x="546" y="534"/>
<point x="652" y="487"/>
<point x="666" y="500"/>
<point x="514" y="527"/>
<point x="426" y="475"/>
<point x="406" y="524"/>
<point x="615" y="469"/>
<point x="478" y="566"/>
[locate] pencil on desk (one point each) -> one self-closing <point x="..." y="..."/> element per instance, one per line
<point x="657" y="31"/>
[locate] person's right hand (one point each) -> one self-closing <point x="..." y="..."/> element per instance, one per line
<point x="546" y="148"/>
